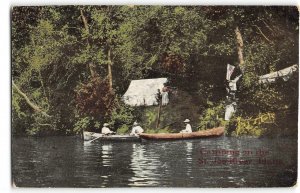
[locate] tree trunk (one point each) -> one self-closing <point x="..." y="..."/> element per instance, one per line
<point x="109" y="65"/>
<point x="91" y="66"/>
<point x="44" y="90"/>
<point x="31" y="104"/>
<point x="92" y="70"/>
<point x="158" y="115"/>
<point x="84" y="20"/>
<point x="240" y="44"/>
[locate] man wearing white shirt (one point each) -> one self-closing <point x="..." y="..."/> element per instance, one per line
<point x="105" y="130"/>
<point x="136" y="129"/>
<point x="188" y="127"/>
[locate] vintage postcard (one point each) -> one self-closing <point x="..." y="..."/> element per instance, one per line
<point x="154" y="96"/>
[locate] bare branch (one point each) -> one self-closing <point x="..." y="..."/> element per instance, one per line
<point x="268" y="26"/>
<point x="262" y="34"/>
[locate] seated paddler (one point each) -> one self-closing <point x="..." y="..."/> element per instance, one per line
<point x="188" y="127"/>
<point x="136" y="129"/>
<point x="105" y="129"/>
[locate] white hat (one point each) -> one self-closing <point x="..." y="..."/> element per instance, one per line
<point x="186" y="121"/>
<point x="105" y="124"/>
<point x="135" y="123"/>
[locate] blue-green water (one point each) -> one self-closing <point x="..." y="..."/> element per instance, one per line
<point x="214" y="162"/>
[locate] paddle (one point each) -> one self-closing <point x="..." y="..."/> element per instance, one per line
<point x="93" y="140"/>
<point x="98" y="138"/>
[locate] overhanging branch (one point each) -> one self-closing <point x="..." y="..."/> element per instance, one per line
<point x="31" y="104"/>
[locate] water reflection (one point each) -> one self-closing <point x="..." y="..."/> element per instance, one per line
<point x="143" y="166"/>
<point x="107" y="154"/>
<point x="107" y="150"/>
<point x="68" y="162"/>
<point x="189" y="157"/>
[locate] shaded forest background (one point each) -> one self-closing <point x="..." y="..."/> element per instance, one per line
<point x="72" y="64"/>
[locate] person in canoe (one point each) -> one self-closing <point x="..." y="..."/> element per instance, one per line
<point x="105" y="129"/>
<point x="188" y="127"/>
<point x="136" y="129"/>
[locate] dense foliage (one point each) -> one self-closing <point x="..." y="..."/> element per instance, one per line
<point x="74" y="62"/>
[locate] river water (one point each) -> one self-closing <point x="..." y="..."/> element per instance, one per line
<point x="214" y="162"/>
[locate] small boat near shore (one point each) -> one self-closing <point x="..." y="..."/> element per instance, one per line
<point x="88" y="136"/>
<point x="215" y="132"/>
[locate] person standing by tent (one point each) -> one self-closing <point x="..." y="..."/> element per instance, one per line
<point x="188" y="127"/>
<point x="165" y="95"/>
<point x="136" y="129"/>
<point x="105" y="130"/>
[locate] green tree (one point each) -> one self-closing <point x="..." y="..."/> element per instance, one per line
<point x="59" y="52"/>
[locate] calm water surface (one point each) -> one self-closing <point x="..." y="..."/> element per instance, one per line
<point x="215" y="162"/>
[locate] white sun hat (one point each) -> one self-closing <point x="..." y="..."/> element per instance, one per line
<point x="186" y="121"/>
<point x="135" y="123"/>
<point x="105" y="124"/>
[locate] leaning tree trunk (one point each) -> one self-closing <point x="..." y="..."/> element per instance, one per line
<point x="109" y="66"/>
<point x="86" y="27"/>
<point x="240" y="45"/>
<point x="31" y="104"/>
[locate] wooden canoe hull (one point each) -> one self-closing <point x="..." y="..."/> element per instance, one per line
<point x="91" y="135"/>
<point x="215" y="132"/>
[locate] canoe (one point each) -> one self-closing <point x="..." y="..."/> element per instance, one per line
<point x="87" y="136"/>
<point x="215" y="132"/>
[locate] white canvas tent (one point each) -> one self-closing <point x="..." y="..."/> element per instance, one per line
<point x="143" y="92"/>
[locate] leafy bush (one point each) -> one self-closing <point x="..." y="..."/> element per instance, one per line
<point x="122" y="116"/>
<point x="123" y="129"/>
<point x="82" y="124"/>
<point x="151" y="117"/>
<point x="212" y="117"/>
<point x="94" y="98"/>
<point x="253" y="126"/>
